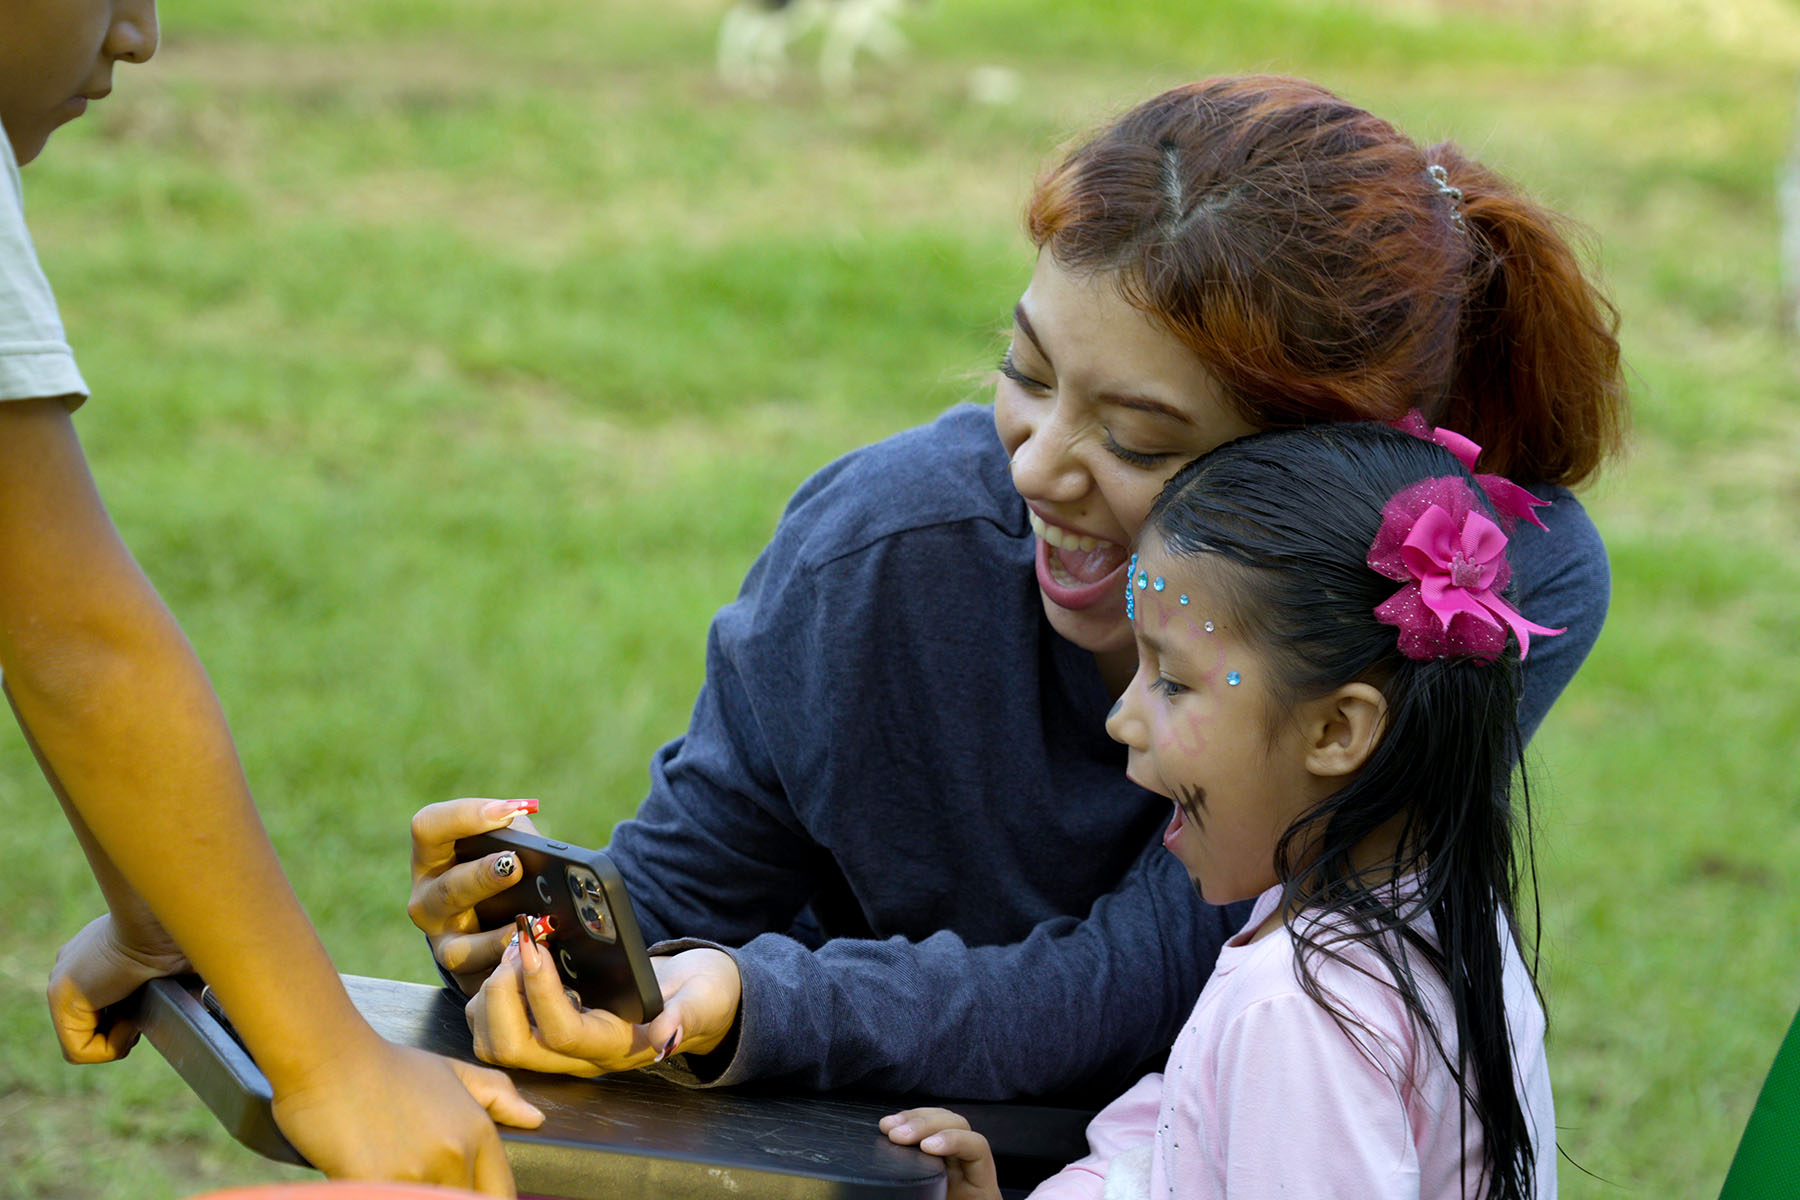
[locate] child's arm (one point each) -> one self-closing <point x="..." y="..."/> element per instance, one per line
<point x="121" y="710"/>
<point x="968" y="1162"/>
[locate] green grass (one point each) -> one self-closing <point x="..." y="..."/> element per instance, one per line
<point x="452" y="360"/>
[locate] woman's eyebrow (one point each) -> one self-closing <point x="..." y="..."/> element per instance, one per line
<point x="1148" y="404"/>
<point x="1024" y="324"/>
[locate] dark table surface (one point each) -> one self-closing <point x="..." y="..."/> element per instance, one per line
<point x="624" y="1135"/>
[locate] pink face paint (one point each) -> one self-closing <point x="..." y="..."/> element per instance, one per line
<point x="1189" y="732"/>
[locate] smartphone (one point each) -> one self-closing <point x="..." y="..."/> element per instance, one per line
<point x="594" y="937"/>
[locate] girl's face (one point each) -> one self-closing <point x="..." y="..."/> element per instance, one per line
<point x="1098" y="406"/>
<point x="56" y="55"/>
<point x="1199" y="719"/>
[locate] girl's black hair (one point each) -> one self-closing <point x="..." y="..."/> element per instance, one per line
<point x="1296" y="511"/>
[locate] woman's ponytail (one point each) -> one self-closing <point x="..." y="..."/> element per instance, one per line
<point x="1537" y="376"/>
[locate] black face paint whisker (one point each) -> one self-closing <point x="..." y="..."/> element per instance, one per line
<point x="1191" y="799"/>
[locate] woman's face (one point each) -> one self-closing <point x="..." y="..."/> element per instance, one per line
<point x="1098" y="406"/>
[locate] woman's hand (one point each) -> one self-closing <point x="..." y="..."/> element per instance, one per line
<point x="445" y="892"/>
<point x="968" y="1162"/>
<point x="100" y="966"/>
<point x="390" y="1112"/>
<point x="522" y="1017"/>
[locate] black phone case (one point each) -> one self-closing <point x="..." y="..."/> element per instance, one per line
<point x="611" y="974"/>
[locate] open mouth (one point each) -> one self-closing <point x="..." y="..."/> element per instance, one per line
<point x="1074" y="570"/>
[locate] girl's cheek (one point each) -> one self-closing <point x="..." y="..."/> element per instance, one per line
<point x="1186" y="731"/>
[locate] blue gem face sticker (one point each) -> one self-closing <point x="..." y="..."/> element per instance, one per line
<point x="1208" y="627"/>
<point x="1143" y="580"/>
<point x="1184" y="600"/>
<point x="1232" y="679"/>
<point x="1158" y="585"/>
<point x="1130" y="600"/>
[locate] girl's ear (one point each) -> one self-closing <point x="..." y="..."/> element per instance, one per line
<point x="1342" y="729"/>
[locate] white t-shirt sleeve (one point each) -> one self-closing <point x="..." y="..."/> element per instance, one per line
<point x="35" y="359"/>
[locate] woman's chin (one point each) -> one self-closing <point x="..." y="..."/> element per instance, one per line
<point x="1101" y="629"/>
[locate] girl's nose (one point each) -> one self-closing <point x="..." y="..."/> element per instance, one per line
<point x="135" y="33"/>
<point x="1123" y="724"/>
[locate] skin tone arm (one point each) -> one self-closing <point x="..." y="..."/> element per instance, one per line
<point x="126" y="724"/>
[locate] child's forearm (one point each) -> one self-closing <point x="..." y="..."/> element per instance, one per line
<point x="121" y="710"/>
<point x="167" y="820"/>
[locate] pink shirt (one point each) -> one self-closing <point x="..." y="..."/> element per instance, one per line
<point x="1264" y="1095"/>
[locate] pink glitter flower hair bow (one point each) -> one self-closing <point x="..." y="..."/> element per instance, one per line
<point x="1451" y="558"/>
<point x="1511" y="501"/>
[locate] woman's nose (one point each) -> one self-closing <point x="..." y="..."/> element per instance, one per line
<point x="1045" y="467"/>
<point x="135" y="33"/>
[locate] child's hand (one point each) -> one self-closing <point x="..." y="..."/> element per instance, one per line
<point x="968" y="1162"/>
<point x="445" y="892"/>
<point x="99" y="966"/>
<point x="382" y="1111"/>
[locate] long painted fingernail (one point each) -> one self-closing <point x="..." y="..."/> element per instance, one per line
<point x="670" y="1045"/>
<point x="527" y="940"/>
<point x="505" y="865"/>
<point x="541" y="928"/>
<point x="506" y="810"/>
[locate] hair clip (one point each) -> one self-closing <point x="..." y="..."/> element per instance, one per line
<point x="1448" y="190"/>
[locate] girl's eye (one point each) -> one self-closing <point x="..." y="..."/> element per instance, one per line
<point x="1168" y="687"/>
<point x="1010" y="369"/>
<point x="1136" y="458"/>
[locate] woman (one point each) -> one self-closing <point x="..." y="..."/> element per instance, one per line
<point x="895" y="845"/>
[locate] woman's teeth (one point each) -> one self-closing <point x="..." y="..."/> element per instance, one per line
<point x="1061" y="538"/>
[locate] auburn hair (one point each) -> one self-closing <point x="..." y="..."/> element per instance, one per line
<point x="1304" y="250"/>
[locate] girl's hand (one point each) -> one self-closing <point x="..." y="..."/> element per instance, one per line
<point x="522" y="1017"/>
<point x="99" y="966"/>
<point x="445" y="892"/>
<point x="391" y="1112"/>
<point x="968" y="1162"/>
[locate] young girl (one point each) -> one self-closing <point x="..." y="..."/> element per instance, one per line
<point x="1326" y="686"/>
<point x="131" y="737"/>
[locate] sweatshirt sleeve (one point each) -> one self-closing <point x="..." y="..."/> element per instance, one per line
<point x="1564" y="581"/>
<point x="1077" y="1003"/>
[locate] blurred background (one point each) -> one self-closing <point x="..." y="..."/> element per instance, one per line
<point x="453" y="359"/>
